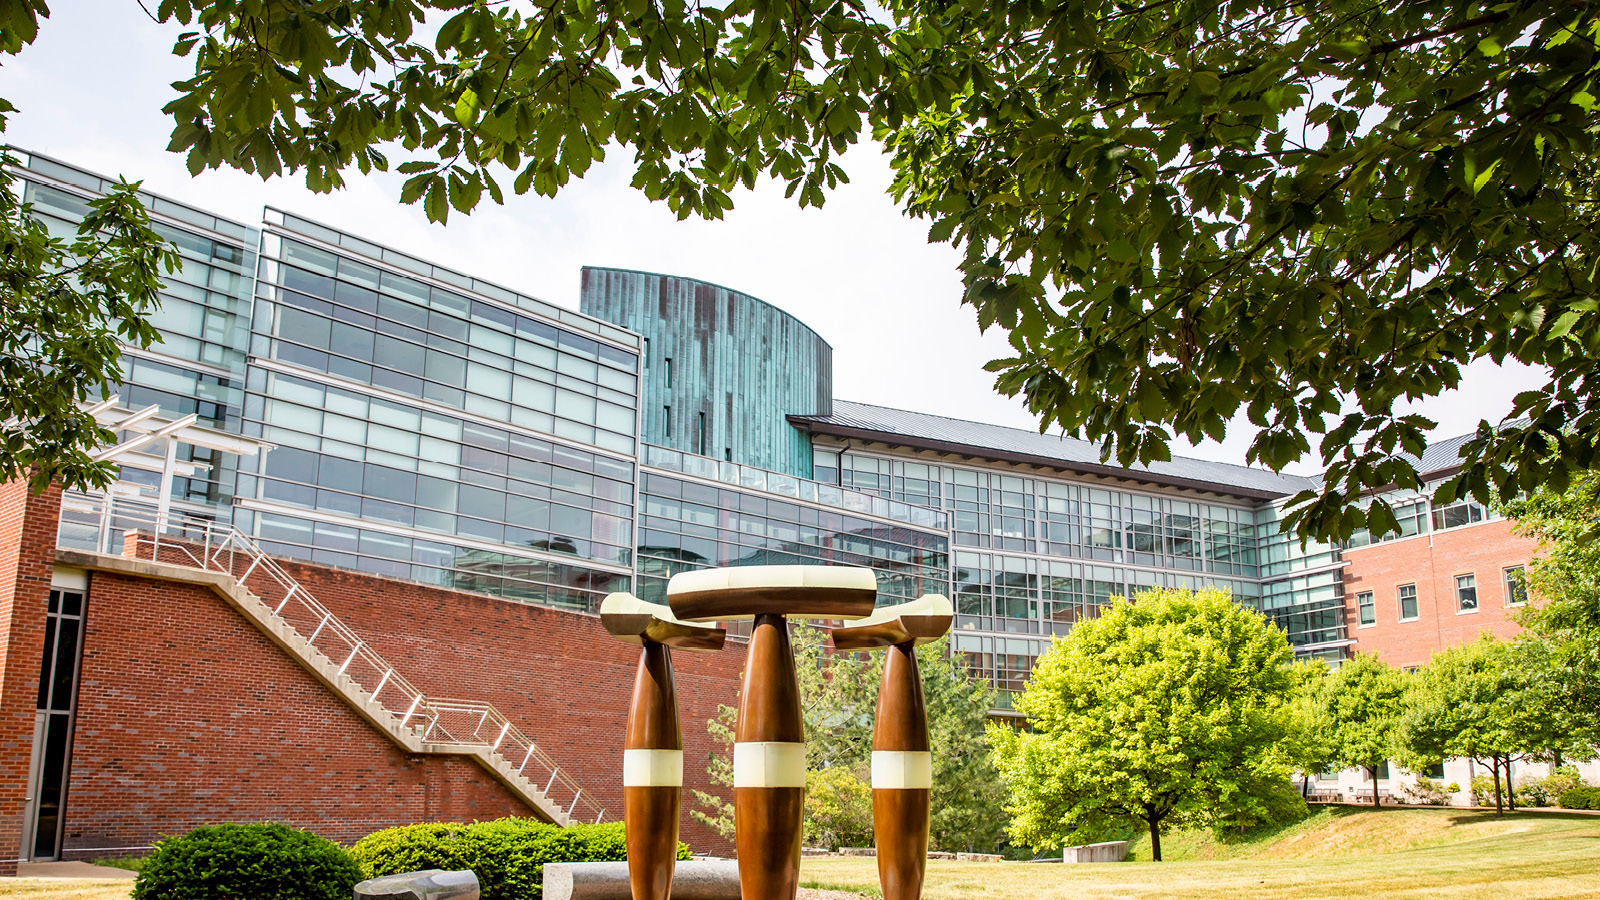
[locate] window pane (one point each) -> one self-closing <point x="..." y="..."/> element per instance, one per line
<point x="1466" y="592"/>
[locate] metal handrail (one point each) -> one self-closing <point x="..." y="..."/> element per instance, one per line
<point x="139" y="529"/>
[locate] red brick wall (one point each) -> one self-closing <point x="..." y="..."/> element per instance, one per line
<point x="188" y="715"/>
<point x="1432" y="562"/>
<point x="27" y="553"/>
<point x="557" y="674"/>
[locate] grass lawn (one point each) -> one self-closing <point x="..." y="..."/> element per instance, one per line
<point x="1337" y="853"/>
<point x="63" y="889"/>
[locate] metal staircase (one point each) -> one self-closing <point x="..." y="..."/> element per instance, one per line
<point x="135" y="537"/>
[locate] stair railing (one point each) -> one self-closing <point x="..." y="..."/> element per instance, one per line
<point x="137" y="529"/>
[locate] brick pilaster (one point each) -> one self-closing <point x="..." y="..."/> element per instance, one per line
<point x="27" y="554"/>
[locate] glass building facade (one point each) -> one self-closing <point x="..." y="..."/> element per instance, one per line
<point x="427" y="425"/>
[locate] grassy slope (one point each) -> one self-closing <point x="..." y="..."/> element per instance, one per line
<point x="1337" y="853"/>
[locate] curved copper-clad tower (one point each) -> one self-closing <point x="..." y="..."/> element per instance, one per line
<point x="902" y="763"/>
<point x="652" y="758"/>
<point x="769" y="751"/>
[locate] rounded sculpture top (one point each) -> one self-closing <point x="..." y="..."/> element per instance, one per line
<point x="743" y="592"/>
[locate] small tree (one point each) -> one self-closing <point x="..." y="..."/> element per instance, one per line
<point x="838" y="808"/>
<point x="1307" y="746"/>
<point x="1360" y="706"/>
<point x="1469" y="702"/>
<point x="1169" y="708"/>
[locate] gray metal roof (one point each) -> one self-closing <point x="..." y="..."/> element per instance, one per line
<point x="922" y="430"/>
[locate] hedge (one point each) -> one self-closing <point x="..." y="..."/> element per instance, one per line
<point x="265" y="861"/>
<point x="1580" y="798"/>
<point x="508" y="855"/>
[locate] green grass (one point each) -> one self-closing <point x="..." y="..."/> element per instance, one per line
<point x="131" y="863"/>
<point x="1335" y="853"/>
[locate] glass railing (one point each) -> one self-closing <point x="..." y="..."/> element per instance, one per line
<point x="790" y="486"/>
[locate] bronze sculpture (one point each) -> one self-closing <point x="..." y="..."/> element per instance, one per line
<point x="769" y="754"/>
<point x="902" y="764"/>
<point x="652" y="758"/>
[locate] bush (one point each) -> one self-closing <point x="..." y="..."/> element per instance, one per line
<point x="507" y="855"/>
<point x="265" y="861"/>
<point x="838" y="809"/>
<point x="1546" y="791"/>
<point x="1428" y="792"/>
<point x="1580" y="798"/>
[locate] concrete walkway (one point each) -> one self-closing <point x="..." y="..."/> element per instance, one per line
<point x="72" y="870"/>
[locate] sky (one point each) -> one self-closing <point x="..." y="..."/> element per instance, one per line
<point x="89" y="91"/>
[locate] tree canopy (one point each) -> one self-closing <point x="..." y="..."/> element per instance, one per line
<point x="1170" y="709"/>
<point x="1564" y="579"/>
<point x="1359" y="707"/>
<point x="1181" y="211"/>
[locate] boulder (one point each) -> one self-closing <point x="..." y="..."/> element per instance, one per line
<point x="430" y="884"/>
<point x="1109" y="851"/>
<point x="693" y="879"/>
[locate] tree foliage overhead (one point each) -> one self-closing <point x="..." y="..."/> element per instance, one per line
<point x="1181" y="210"/>
<point x="1171" y="709"/>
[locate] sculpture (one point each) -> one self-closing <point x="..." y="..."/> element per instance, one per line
<point x="902" y="764"/>
<point x="769" y="756"/>
<point x="652" y="758"/>
<point x="769" y="752"/>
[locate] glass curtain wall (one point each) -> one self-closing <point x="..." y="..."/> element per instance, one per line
<point x="199" y="365"/>
<point x="431" y="433"/>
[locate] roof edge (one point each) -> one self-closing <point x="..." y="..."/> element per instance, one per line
<point x="810" y="424"/>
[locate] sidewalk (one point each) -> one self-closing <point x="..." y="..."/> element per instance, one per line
<point x="72" y="870"/>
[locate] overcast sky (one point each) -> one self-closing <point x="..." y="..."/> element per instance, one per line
<point x="90" y="92"/>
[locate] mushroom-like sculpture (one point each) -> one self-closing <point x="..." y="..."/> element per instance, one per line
<point x="652" y="758"/>
<point x="902" y="766"/>
<point x="769" y="752"/>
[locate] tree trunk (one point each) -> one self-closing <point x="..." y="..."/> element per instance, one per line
<point x="1374" y="771"/>
<point x="1555" y="763"/>
<point x="1511" y="789"/>
<point x="1155" y="839"/>
<point x="1494" y="768"/>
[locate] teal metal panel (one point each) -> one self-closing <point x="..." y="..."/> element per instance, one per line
<point x="721" y="368"/>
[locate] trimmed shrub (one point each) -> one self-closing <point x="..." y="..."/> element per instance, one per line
<point x="1537" y="791"/>
<point x="263" y="861"/>
<point x="1580" y="798"/>
<point x="507" y="855"/>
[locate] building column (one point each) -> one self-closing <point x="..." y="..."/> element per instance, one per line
<point x="27" y="557"/>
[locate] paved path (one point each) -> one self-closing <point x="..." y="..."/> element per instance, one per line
<point x="71" y="870"/>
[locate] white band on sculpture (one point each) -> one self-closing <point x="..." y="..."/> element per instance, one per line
<point x="652" y="768"/>
<point x="769" y="764"/>
<point x="902" y="769"/>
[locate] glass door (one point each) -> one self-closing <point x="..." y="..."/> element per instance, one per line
<point x="52" y="734"/>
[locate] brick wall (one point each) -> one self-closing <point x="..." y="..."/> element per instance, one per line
<point x="1432" y="562"/>
<point x="555" y="673"/>
<point x="27" y="551"/>
<point x="187" y="714"/>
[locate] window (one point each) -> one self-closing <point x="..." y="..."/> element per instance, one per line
<point x="700" y="442"/>
<point x="668" y="372"/>
<point x="1516" y="590"/>
<point x="1408" y="602"/>
<point x="1467" y="593"/>
<point x="667" y="416"/>
<point x="1366" y="610"/>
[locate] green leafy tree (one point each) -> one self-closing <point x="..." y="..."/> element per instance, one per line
<point x="1308" y="746"/>
<point x="1564" y="580"/>
<point x="1472" y="701"/>
<point x="838" y="808"/>
<point x="712" y="809"/>
<point x="1360" y="705"/>
<point x="1180" y="211"/>
<point x="1169" y="709"/>
<point x="66" y="308"/>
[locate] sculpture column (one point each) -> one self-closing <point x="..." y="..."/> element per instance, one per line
<point x="902" y="764"/>
<point x="769" y="756"/>
<point x="652" y="756"/>
<point x="769" y="766"/>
